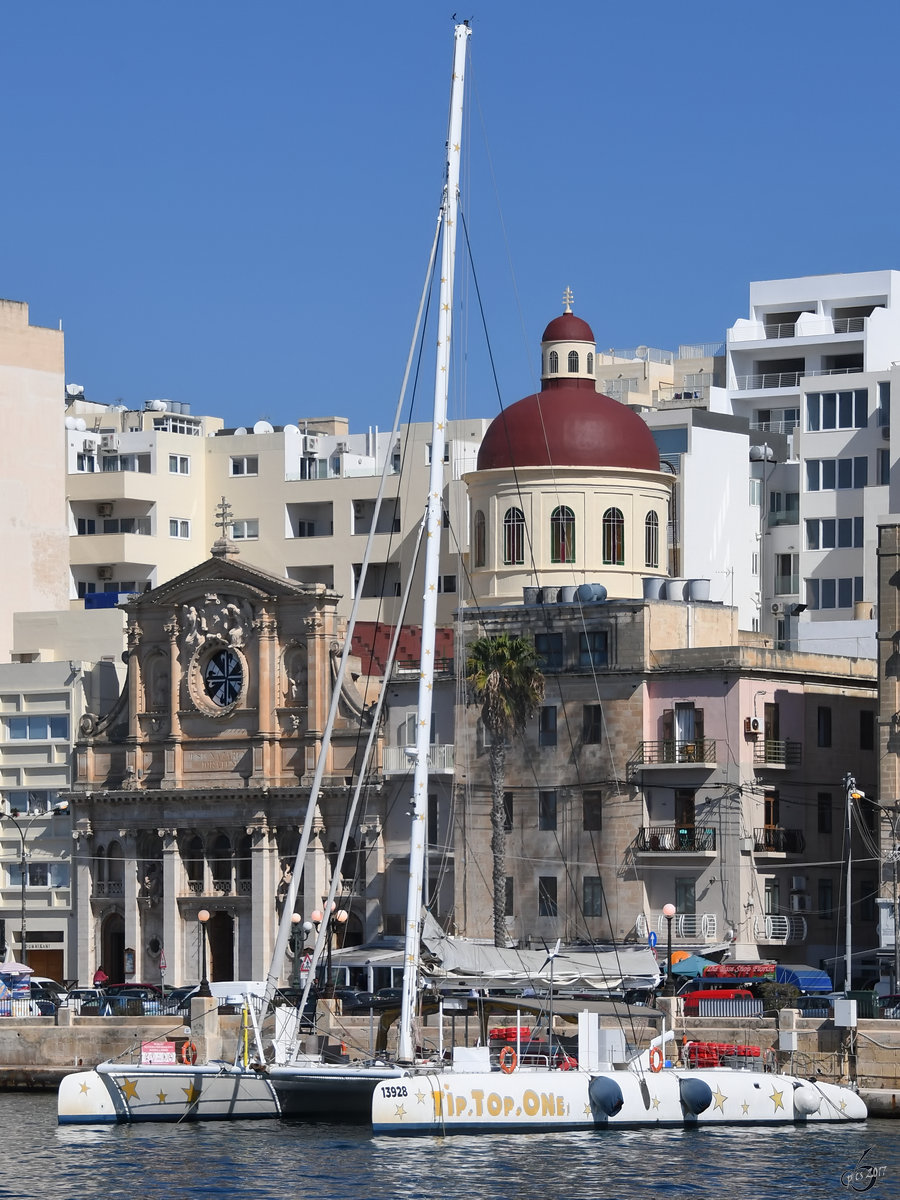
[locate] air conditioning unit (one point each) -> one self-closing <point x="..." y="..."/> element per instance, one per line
<point x="311" y="445"/>
<point x="343" y="447"/>
<point x="799" y="902"/>
<point x="798" y="883"/>
<point x="89" y="446"/>
<point x="776" y="608"/>
<point x="751" y="724"/>
<point x="109" y="442"/>
<point x="104" y="510"/>
<point x="104" y="572"/>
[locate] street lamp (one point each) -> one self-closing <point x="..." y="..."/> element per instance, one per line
<point x="340" y="916"/>
<point x="203" y="917"/>
<point x="300" y="931"/>
<point x="669" y="911"/>
<point x="62" y="806"/>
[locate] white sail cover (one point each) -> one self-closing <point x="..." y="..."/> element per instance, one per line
<point x="488" y="966"/>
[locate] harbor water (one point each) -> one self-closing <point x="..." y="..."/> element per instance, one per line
<point x="274" y="1160"/>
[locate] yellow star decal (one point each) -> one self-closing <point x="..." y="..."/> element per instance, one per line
<point x="776" y="1097"/>
<point x="420" y="1096"/>
<point x="400" y="1111"/>
<point x="587" y="1110"/>
<point x="842" y="1105"/>
<point x="656" y="1101"/>
<point x="84" y="1089"/>
<point x="719" y="1100"/>
<point x="446" y="308"/>
<point x="192" y="1094"/>
<point x="161" y="1097"/>
<point x="129" y="1089"/>
<point x="745" y="1108"/>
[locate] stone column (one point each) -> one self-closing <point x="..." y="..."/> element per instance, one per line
<point x="130" y="899"/>
<point x="172" y="928"/>
<point x="135" y="683"/>
<point x="263" y="917"/>
<point x="173" y="769"/>
<point x="87" y="957"/>
<point x="266" y="699"/>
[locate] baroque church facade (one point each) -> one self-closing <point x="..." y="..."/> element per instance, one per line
<point x="190" y="793"/>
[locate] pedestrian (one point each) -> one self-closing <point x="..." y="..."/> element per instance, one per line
<point x="100" y="977"/>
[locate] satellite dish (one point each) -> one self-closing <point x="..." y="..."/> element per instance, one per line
<point x="292" y="429"/>
<point x="71" y="422"/>
<point x="642" y="352"/>
<point x="74" y="389"/>
<point x="240" y="431"/>
<point x="263" y="427"/>
<point x="81" y="424"/>
<point x="158" y="405"/>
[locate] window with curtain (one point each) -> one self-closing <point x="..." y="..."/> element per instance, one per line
<point x="514" y="536"/>
<point x="562" y="535"/>
<point x="478" y="540"/>
<point x="651" y="540"/>
<point x="614" y="537"/>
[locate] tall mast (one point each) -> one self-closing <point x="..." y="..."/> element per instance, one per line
<point x="418" y="837"/>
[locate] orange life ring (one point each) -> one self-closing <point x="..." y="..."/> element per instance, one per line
<point x="656" y="1059"/>
<point x="508" y="1060"/>
<point x="188" y="1053"/>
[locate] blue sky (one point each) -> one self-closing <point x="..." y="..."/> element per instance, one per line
<point x="231" y="205"/>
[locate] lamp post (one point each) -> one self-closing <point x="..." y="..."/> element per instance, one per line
<point x="203" y="916"/>
<point x="340" y="916"/>
<point x="300" y="931"/>
<point x="62" y="806"/>
<point x="669" y="911"/>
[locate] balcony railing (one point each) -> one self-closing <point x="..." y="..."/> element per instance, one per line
<point x="779" y="928"/>
<point x="109" y="887"/>
<point x="664" y="839"/>
<point x="788" y="425"/>
<point x="775" y="840"/>
<point x="400" y="760"/>
<point x="849" y="324"/>
<point x="685" y="926"/>
<point x="767" y="380"/>
<point x="670" y="751"/>
<point x="783" y="329"/>
<point x="772" y="752"/>
<point x="682" y="396"/>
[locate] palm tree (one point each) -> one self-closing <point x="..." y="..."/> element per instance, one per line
<point x="503" y="676"/>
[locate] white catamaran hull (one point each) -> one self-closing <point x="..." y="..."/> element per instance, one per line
<point x="530" y="1101"/>
<point x="329" y="1092"/>
<point x="209" y="1092"/>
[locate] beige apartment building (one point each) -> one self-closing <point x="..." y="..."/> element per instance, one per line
<point x="32" y="469"/>
<point x="147" y="489"/>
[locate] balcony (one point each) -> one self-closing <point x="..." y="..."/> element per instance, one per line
<point x="686" y="927"/>
<point x="773" y="380"/>
<point x="774" y="840"/>
<point x="109" y="887"/>
<point x="780" y="929"/>
<point x="400" y="760"/>
<point x="777" y="753"/>
<point x="671" y="752"/>
<point x="664" y="839"/>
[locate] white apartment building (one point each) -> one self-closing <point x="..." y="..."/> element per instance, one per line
<point x="814" y="361"/>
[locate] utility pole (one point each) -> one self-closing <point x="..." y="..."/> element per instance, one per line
<point x="853" y="793"/>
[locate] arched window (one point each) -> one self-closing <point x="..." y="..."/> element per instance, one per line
<point x="553" y="363"/>
<point x="194" y="864"/>
<point x="478" y="539"/>
<point x="514" y="536"/>
<point x="562" y="535"/>
<point x="573" y="361"/>
<point x="590" y="363"/>
<point x="614" y="537"/>
<point x="221" y="863"/>
<point x="651" y="540"/>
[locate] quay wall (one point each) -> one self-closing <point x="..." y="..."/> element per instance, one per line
<point x="38" y="1051"/>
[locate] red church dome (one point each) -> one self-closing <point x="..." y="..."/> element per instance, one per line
<point x="568" y="424"/>
<point x="568" y="328"/>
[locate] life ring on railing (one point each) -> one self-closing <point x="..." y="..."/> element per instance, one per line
<point x="656" y="1059"/>
<point x="508" y="1060"/>
<point x="188" y="1053"/>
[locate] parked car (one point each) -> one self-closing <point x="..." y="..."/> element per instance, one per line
<point x="139" y="999"/>
<point x="50" y="986"/>
<point x="179" y="998"/>
<point x="364" y="1001"/>
<point x="388" y="997"/>
<point x="889" y="1006"/>
<point x="86" y="1000"/>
